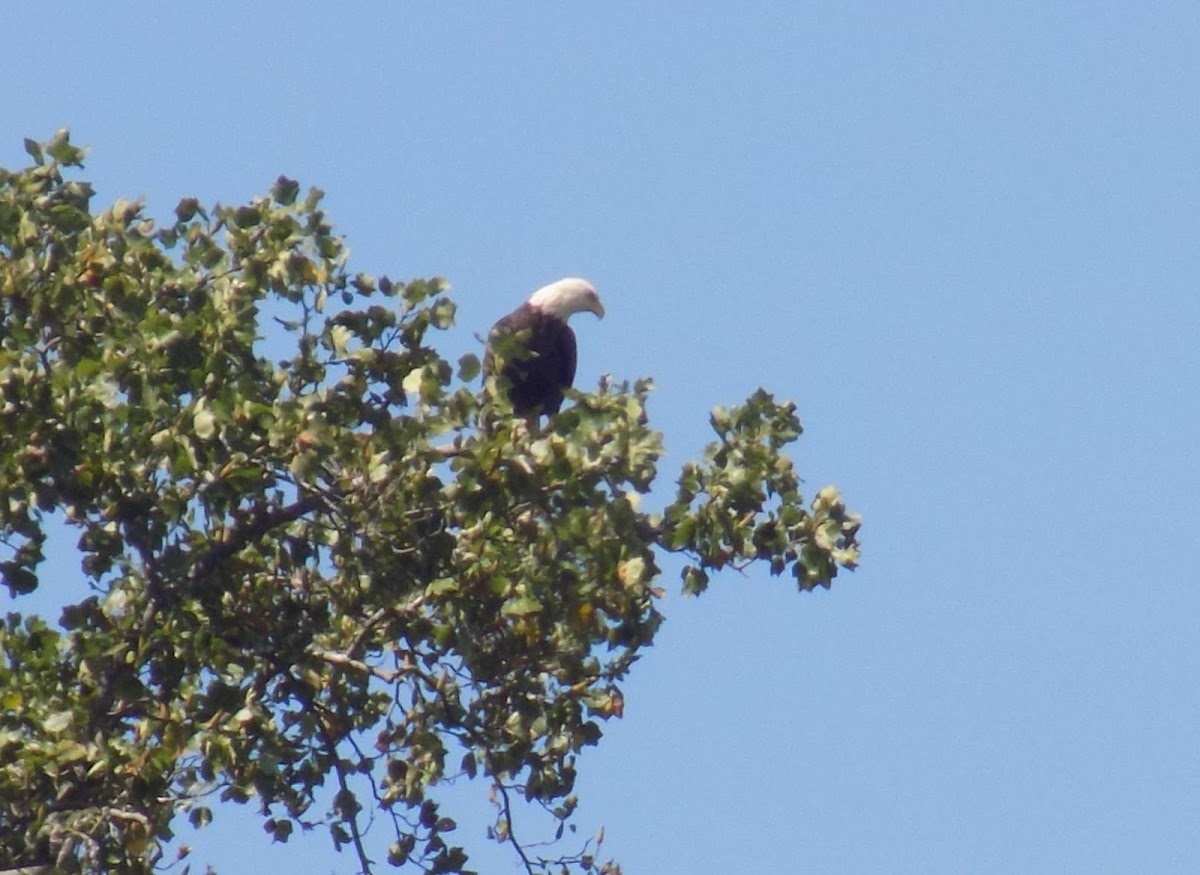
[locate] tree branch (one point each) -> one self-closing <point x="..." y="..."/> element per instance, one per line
<point x="506" y="809"/>
<point x="381" y="614"/>
<point x="344" y="660"/>
<point x="239" y="537"/>
<point x="350" y="819"/>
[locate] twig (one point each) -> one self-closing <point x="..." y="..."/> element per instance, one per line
<point x="351" y="819"/>
<point x="330" y="743"/>
<point x="512" y="838"/>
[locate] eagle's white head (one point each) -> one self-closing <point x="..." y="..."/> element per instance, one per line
<point x="565" y="297"/>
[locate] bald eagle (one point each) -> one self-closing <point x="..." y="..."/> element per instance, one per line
<point x="537" y="378"/>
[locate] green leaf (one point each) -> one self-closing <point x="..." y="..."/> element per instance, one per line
<point x="60" y="149"/>
<point x="720" y="421"/>
<point x="187" y="208"/>
<point x="280" y="829"/>
<point x="204" y="423"/>
<point x="314" y="198"/>
<point x="339" y="337"/>
<point x="246" y="217"/>
<point x="468" y="367"/>
<point x="412" y="381"/>
<point x="285" y="191"/>
<point x="442" y="314"/>
<point x="521" y="606"/>
<point x="695" y="580"/>
<point x="58" y="722"/>
<point x="632" y="571"/>
<point x="442" y="586"/>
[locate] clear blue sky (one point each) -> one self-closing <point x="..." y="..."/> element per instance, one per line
<point x="965" y="238"/>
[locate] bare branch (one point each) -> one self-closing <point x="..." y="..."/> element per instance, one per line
<point x="350" y="819"/>
<point x="506" y="810"/>
<point x="343" y="660"/>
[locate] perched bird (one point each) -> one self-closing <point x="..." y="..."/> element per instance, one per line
<point x="539" y="362"/>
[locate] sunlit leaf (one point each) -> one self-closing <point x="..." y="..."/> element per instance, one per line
<point x="204" y="423"/>
<point x="521" y="606"/>
<point x="58" y="722"/>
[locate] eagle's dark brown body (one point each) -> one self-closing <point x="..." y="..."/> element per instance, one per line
<point x="537" y="379"/>
<point x="532" y="349"/>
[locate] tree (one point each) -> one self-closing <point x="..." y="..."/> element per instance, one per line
<point x="318" y="567"/>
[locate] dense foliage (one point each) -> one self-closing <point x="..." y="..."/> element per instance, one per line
<point x="317" y="570"/>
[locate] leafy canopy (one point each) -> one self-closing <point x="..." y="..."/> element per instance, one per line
<point x="318" y="571"/>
